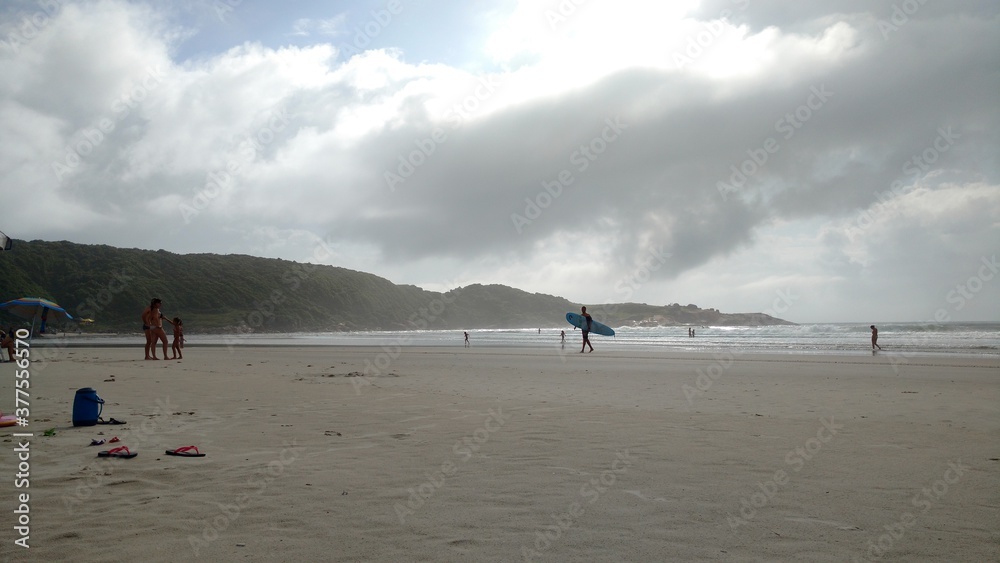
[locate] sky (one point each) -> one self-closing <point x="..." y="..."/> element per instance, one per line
<point x="829" y="161"/>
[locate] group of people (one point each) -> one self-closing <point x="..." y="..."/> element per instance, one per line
<point x="585" y="330"/>
<point x="152" y="326"/>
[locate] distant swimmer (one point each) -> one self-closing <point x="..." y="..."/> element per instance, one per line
<point x="875" y="338"/>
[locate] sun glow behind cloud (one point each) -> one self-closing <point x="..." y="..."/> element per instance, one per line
<point x="697" y="91"/>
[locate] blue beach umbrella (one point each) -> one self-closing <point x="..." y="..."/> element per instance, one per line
<point x="36" y="308"/>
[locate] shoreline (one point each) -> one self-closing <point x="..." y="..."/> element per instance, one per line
<point x="611" y="348"/>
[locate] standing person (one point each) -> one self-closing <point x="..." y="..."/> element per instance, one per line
<point x="7" y="342"/>
<point x="875" y="338"/>
<point x="586" y="330"/>
<point x="466" y="339"/>
<point x="156" y="319"/>
<point x="178" y="343"/>
<point x="145" y="328"/>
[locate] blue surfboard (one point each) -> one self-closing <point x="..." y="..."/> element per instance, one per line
<point x="579" y="321"/>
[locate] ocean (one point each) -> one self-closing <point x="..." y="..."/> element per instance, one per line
<point x="967" y="339"/>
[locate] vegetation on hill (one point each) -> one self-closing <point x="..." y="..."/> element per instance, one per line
<point x="237" y="293"/>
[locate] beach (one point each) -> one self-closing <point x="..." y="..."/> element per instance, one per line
<point x="399" y="453"/>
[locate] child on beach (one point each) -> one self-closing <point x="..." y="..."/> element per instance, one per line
<point x="178" y="339"/>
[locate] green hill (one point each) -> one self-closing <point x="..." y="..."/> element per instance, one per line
<point x="237" y="293"/>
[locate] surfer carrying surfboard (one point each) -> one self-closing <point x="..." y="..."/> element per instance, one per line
<point x="586" y="329"/>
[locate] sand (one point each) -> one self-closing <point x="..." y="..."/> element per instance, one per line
<point x="498" y="454"/>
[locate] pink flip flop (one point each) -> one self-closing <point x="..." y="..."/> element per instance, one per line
<point x="120" y="451"/>
<point x="186" y="451"/>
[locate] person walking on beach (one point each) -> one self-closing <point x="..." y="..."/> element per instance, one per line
<point x="875" y="338"/>
<point x="586" y="330"/>
<point x="178" y="343"/>
<point x="466" y="339"/>
<point x="145" y="327"/>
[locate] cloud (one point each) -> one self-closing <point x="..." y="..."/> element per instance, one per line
<point x="330" y="27"/>
<point x="727" y="135"/>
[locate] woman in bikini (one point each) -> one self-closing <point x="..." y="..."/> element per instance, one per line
<point x="156" y="319"/>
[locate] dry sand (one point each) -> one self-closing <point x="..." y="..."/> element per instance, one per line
<point x="451" y="454"/>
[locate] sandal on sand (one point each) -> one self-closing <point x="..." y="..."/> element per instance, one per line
<point x="186" y="451"/>
<point x="120" y="451"/>
<point x="113" y="440"/>
<point x="112" y="421"/>
<point x="96" y="442"/>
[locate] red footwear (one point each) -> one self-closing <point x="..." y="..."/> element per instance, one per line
<point x="186" y="451"/>
<point x="120" y="451"/>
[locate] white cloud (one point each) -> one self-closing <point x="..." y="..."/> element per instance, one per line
<point x="272" y="148"/>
